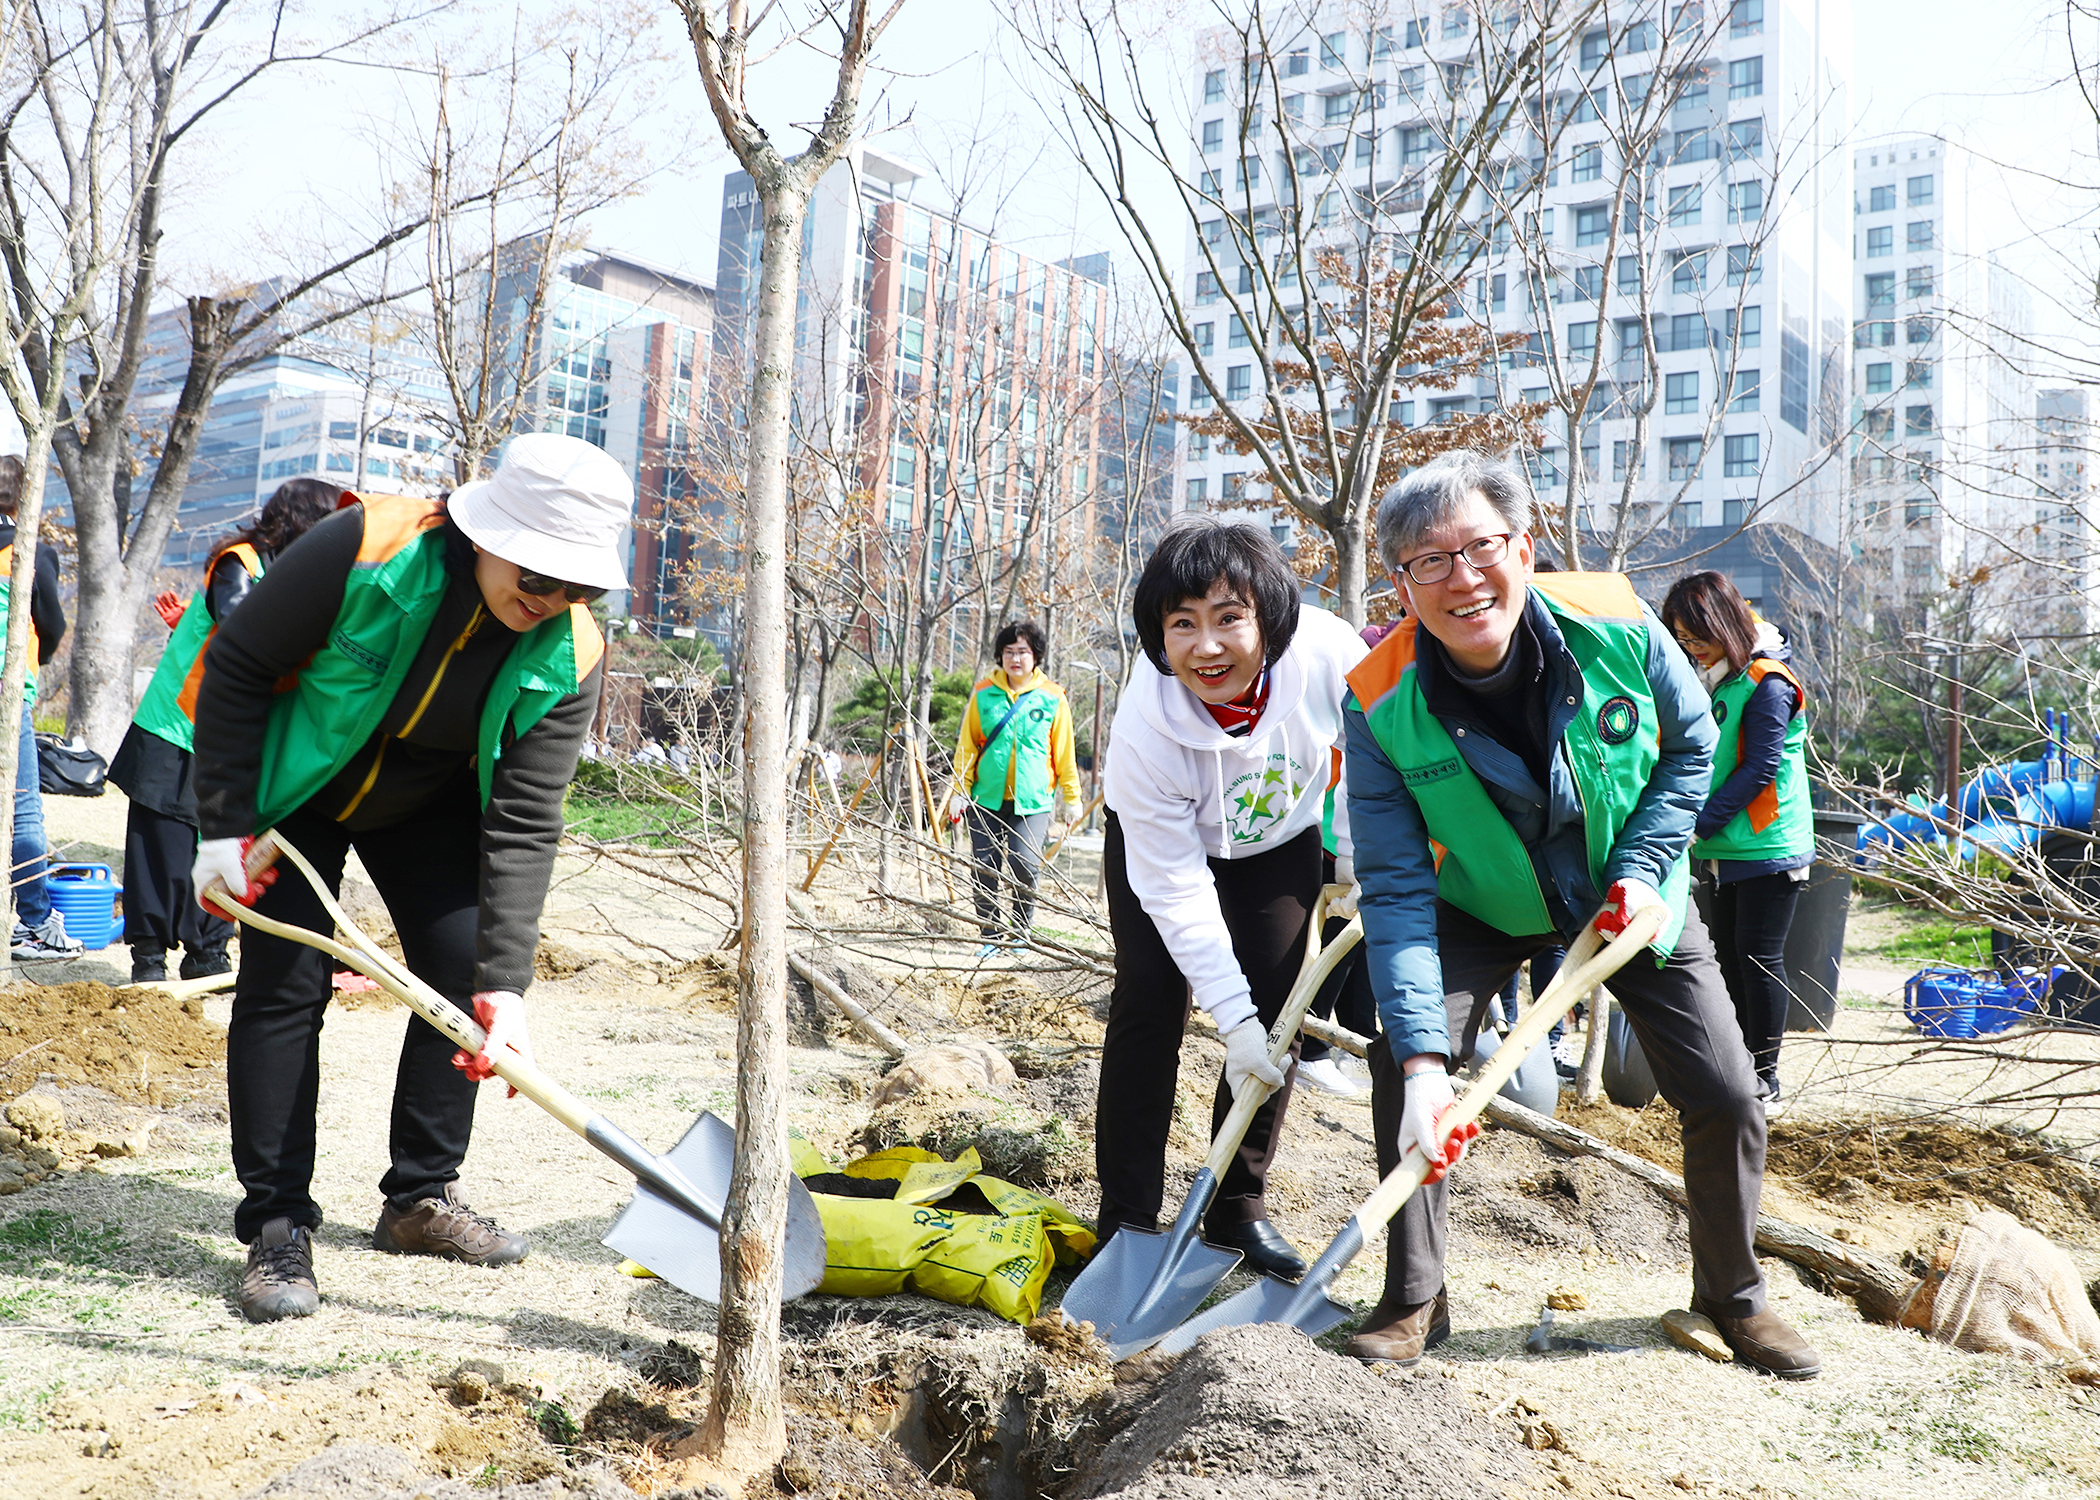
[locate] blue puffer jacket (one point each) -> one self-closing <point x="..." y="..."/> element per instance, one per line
<point x="1398" y="873"/>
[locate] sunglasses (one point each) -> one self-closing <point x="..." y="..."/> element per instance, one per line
<point x="538" y="584"/>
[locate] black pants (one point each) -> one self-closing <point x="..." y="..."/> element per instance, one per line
<point x="428" y="872"/>
<point x="1345" y="996"/>
<point x="160" y="903"/>
<point x="1003" y="842"/>
<point x="1681" y="1014"/>
<point x="1751" y="918"/>
<point x="1267" y="900"/>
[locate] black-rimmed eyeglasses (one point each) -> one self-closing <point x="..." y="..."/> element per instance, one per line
<point x="1481" y="553"/>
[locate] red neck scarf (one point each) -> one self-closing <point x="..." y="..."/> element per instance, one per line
<point x="1239" y="717"/>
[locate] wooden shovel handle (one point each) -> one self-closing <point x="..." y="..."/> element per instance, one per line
<point x="1582" y="970"/>
<point x="376" y="964"/>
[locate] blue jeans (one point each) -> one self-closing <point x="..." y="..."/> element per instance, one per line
<point x="32" y="896"/>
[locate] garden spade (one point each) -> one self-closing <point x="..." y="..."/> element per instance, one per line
<point x="1307" y="1306"/>
<point x="1145" y="1283"/>
<point x="673" y="1224"/>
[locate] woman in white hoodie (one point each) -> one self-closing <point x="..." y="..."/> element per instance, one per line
<point x="1220" y="757"/>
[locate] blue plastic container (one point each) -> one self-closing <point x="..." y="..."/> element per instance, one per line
<point x="86" y="896"/>
<point x="1942" y="1002"/>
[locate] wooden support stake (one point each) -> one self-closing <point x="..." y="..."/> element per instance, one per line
<point x="818" y="864"/>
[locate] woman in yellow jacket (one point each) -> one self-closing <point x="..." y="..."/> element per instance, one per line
<point x="1014" y="752"/>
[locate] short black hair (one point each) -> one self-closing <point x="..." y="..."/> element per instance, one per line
<point x="1196" y="554"/>
<point x="1021" y="630"/>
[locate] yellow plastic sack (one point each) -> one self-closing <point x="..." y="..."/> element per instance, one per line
<point x="871" y="1244"/>
<point x="1072" y="1240"/>
<point x="999" y="1264"/>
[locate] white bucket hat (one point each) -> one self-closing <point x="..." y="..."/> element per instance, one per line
<point x="557" y="506"/>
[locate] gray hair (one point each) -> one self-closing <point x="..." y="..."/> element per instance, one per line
<point x="1431" y="495"/>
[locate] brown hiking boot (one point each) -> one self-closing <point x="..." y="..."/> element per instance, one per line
<point x="1400" y="1335"/>
<point x="279" y="1281"/>
<point x="1766" y="1342"/>
<point x="446" y="1226"/>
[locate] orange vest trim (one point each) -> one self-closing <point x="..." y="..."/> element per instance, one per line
<point x="7" y="568"/>
<point x="1764" y="807"/>
<point x="391" y="523"/>
<point x="589" y="640"/>
<point x="193" y="681"/>
<point x="1380" y="672"/>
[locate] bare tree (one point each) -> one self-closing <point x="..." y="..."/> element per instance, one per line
<point x="745" y="1427"/>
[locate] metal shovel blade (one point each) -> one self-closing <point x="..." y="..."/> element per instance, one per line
<point x="687" y="1251"/>
<point x="1144" y="1283"/>
<point x="1306" y="1306"/>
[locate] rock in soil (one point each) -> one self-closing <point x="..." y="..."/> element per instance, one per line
<point x="961" y="1067"/>
<point x="1263" y="1411"/>
<point x="1696" y="1332"/>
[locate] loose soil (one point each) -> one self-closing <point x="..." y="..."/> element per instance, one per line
<point x="141" y="1045"/>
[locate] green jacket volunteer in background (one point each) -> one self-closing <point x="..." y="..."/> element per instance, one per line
<point x="1014" y="753"/>
<point x="413" y="679"/>
<point x="1522" y="752"/>
<point x="154" y="765"/>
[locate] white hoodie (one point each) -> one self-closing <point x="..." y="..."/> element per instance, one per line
<point x="1185" y="791"/>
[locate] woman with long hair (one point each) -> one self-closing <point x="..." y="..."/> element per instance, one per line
<point x="1756" y="836"/>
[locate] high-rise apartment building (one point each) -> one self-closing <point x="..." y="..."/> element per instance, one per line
<point x="1674" y="184"/>
<point x="2066" y="531"/>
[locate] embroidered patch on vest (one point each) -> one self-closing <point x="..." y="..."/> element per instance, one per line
<point x="370" y="661"/>
<point x="1617" y="720"/>
<point x="1442" y="770"/>
<point x="1720" y="711"/>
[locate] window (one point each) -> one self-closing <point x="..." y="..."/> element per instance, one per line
<point x="1246" y="285"/>
<point x="1733" y="512"/>
<point x="1414" y="146"/>
<point x="1233" y="487"/>
<point x="1878" y="378"/>
<point x="1586" y="164"/>
<point x="1239" y="382"/>
<point x="341" y="463"/>
<point x="1214" y="86"/>
<point x="1334" y="50"/>
<point x="1402" y="412"/>
<point x="1213" y="231"/>
<point x="1409" y="82"/>
<point x="1688" y="273"/>
<point x="1685" y="203"/>
<point x="1211" y="184"/>
<point x="1339" y="108"/>
<point x="1746" y="78"/>
<point x="1213" y="136"/>
<point x="1592" y="226"/>
<point x="1743" y="267"/>
<point x="1454" y="20"/>
<point x="1683" y="456"/>
<point x="1681" y="394"/>
<point x="1199" y="443"/>
<point x="1635" y="87"/>
<point x="1917" y="421"/>
<point x="1639" y="37"/>
<point x="1206" y="288"/>
<point x="1687" y="331"/>
<point x="1746" y="332"/>
<point x="342" y="432"/>
<point x="1881" y="289"/>
<point x="1917" y="331"/>
<point x="1245" y="171"/>
<point x="1879" y="424"/>
<point x="1294" y="106"/>
<point x="1198" y="494"/>
<point x="1918" y="512"/>
<point x="1918" y="190"/>
<point x="1498" y="293"/>
<point x="1582" y="340"/>
<point x="1917" y="282"/>
<point x="387" y="437"/>
<point x="1746" y="140"/>
<point x="1298" y="63"/>
<point x="1746" y="18"/>
<point x="1630" y="275"/>
<point x="1366" y="148"/>
<point x="1619" y="449"/>
<point x="1382" y="44"/>
<point x="1881" y="200"/>
<point x="1596" y="46"/>
<point x="1237" y="337"/>
<point x="1633" y="341"/>
<point x="1880" y="242"/>
<point x="1199" y="393"/>
<point x="1873" y="335"/>
<point x="1417" y="33"/>
<point x="1917" y="235"/>
<point x="1917" y="374"/>
<point x="1203" y="333"/>
<point x="1743" y="397"/>
<point x="1691" y="145"/>
<point x="1588" y="282"/>
<point x="1746" y="202"/>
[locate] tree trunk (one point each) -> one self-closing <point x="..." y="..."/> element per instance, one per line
<point x="746" y="1427"/>
<point x="1351" y="570"/>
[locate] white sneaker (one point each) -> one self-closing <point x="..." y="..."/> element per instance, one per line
<point x="1328" y="1078"/>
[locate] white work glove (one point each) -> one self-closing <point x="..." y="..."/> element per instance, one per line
<point x="1427" y="1099"/>
<point x="225" y="862"/>
<point x="1070" y="811"/>
<point x="1247" y="1056"/>
<point x="1627" y="897"/>
<point x="502" y="1015"/>
<point x="1344" y="907"/>
<point x="958" y="804"/>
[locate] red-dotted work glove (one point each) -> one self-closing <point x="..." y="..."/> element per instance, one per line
<point x="224" y="862"/>
<point x="1627" y="897"/>
<point x="168" y="604"/>
<point x="502" y="1015"/>
<point x="1427" y="1100"/>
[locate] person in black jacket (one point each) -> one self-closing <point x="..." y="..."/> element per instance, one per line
<point x="153" y="765"/>
<point x="39" y="931"/>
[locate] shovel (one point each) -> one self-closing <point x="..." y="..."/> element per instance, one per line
<point x="1144" y="1283"/>
<point x="673" y="1224"/>
<point x="1307" y="1306"/>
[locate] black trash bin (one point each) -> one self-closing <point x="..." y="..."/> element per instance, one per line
<point x="1816" y="942"/>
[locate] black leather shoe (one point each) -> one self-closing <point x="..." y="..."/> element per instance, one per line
<point x="1263" y="1245"/>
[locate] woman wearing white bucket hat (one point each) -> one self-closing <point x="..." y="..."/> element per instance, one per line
<point x="412" y="679"/>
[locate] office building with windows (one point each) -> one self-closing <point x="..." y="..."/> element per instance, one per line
<point x="1724" y="239"/>
<point x="2066" y="531"/>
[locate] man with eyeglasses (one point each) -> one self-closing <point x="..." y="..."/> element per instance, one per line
<point x="1525" y="752"/>
<point x="412" y="679"/>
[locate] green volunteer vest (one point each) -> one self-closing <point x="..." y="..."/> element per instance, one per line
<point x="321" y="720"/>
<point x="169" y="707"/>
<point x="1611" y="747"/>
<point x="1778" y="823"/>
<point x="1024" y="745"/>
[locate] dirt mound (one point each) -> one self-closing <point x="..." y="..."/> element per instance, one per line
<point x="141" y="1045"/>
<point x="1264" y="1411"/>
<point x="1520" y="1194"/>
